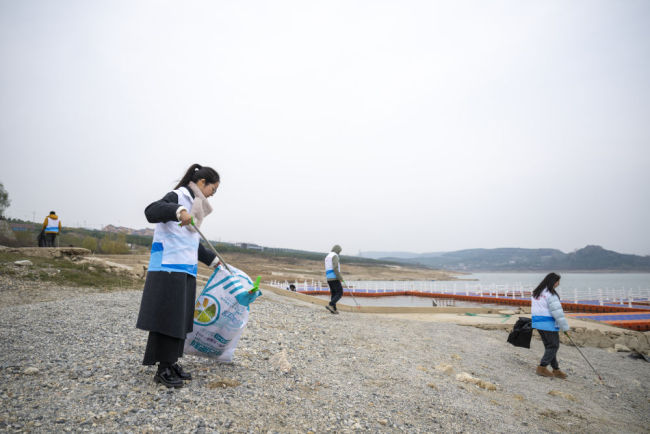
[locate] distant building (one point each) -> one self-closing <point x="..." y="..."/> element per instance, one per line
<point x="21" y="227"/>
<point x="250" y="246"/>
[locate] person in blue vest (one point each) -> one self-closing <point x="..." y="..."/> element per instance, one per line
<point x="334" y="278"/>
<point x="548" y="318"/>
<point x="167" y="306"/>
<point x="51" y="228"/>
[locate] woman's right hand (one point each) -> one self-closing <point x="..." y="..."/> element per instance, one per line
<point x="186" y="218"/>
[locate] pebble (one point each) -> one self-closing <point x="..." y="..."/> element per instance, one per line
<point x="297" y="369"/>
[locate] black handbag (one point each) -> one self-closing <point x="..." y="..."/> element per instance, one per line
<point x="521" y="333"/>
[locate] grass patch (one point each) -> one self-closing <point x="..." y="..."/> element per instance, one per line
<point x="65" y="273"/>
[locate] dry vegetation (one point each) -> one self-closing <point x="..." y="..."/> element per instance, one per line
<point x="290" y="269"/>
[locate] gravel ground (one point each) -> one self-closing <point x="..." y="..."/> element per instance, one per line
<point x="73" y="364"/>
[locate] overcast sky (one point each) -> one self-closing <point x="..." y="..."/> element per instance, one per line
<point x="379" y="125"/>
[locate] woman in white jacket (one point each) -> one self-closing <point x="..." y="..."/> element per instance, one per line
<point x="548" y="319"/>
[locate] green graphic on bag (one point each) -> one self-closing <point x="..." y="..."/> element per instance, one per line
<point x="206" y="310"/>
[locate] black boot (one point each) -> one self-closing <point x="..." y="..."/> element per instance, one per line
<point x="168" y="377"/>
<point x="182" y="374"/>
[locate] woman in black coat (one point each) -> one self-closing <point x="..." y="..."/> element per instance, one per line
<point x="167" y="306"/>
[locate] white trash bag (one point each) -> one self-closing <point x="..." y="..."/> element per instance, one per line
<point x="220" y="314"/>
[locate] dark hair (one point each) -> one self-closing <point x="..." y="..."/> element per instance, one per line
<point x="548" y="283"/>
<point x="197" y="172"/>
<point x="52" y="212"/>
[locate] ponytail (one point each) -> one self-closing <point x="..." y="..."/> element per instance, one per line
<point x="197" y="172"/>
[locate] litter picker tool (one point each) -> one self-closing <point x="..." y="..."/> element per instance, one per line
<point x="196" y="228"/>
<point x="583" y="356"/>
<point x="353" y="297"/>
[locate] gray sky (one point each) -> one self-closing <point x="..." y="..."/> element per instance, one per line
<point x="379" y="125"/>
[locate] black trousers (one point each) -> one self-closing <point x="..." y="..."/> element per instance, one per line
<point x="163" y="349"/>
<point x="49" y="240"/>
<point x="551" y="342"/>
<point x="336" y="289"/>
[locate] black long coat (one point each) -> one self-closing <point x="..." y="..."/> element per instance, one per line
<point x="167" y="304"/>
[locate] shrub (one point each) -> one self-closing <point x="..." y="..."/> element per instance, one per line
<point x="67" y="239"/>
<point x="90" y="243"/>
<point x="26" y="239"/>
<point x="114" y="245"/>
<point x="4" y="200"/>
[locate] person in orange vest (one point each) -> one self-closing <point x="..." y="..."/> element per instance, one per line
<point x="52" y="228"/>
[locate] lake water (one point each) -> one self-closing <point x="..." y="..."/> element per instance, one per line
<point x="580" y="281"/>
<point x="611" y="287"/>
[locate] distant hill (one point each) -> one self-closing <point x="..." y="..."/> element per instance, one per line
<point x="589" y="258"/>
<point x="128" y="231"/>
<point x="402" y="255"/>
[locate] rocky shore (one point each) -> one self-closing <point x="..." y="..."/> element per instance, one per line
<point x="70" y="361"/>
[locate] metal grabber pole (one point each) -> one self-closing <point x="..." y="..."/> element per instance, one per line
<point x="210" y="245"/>
<point x="353" y="297"/>
<point x="583" y="356"/>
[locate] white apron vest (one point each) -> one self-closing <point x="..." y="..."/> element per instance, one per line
<point x="541" y="314"/>
<point x="329" y="267"/>
<point x="52" y="225"/>
<point x="175" y="248"/>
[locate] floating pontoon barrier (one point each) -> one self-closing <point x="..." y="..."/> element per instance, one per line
<point x="571" y="307"/>
<point x="639" y="321"/>
<point x="638" y="318"/>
